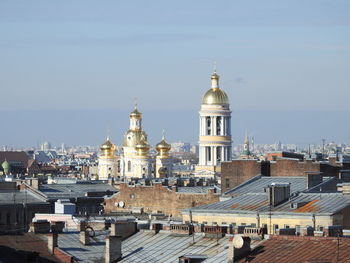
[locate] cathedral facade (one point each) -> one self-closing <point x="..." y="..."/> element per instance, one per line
<point x="135" y="160"/>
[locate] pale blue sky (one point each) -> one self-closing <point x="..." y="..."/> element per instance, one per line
<point x="100" y="55"/>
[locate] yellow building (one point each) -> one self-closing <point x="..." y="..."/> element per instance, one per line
<point x="275" y="203"/>
<point x="214" y="130"/>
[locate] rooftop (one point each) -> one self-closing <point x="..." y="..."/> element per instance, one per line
<point x="19" y="197"/>
<point x="146" y="246"/>
<point x="74" y="190"/>
<point x="300" y="250"/>
<point x="258" y="183"/>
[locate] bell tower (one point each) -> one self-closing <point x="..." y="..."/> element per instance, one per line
<point x="214" y="130"/>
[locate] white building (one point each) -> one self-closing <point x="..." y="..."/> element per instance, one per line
<point x="215" y="144"/>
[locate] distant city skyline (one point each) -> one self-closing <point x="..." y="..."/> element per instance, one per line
<point x="30" y="128"/>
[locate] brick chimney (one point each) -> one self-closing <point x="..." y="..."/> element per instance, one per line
<point x="113" y="249"/>
<point x="52" y="242"/>
<point x="239" y="247"/>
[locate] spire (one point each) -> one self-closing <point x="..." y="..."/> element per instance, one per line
<point x="246" y="150"/>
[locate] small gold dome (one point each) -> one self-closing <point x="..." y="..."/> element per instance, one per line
<point x="163" y="145"/>
<point x="215" y="96"/>
<point x="107" y="145"/>
<point x="135" y="113"/>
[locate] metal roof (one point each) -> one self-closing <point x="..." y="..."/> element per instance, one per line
<point x="317" y="203"/>
<point x="258" y="183"/>
<point x="74" y="190"/>
<point x="147" y="247"/>
<point x="197" y="189"/>
<point x="19" y="197"/>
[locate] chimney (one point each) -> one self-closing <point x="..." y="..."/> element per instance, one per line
<point x="52" y="242"/>
<point x="84" y="238"/>
<point x="239" y="247"/>
<point x="313" y="179"/>
<point x="113" y="249"/>
<point x="277" y="193"/>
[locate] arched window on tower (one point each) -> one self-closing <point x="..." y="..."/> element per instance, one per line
<point x="218" y="154"/>
<point x="129" y="166"/>
<point x="208" y="125"/>
<point x="218" y="125"/>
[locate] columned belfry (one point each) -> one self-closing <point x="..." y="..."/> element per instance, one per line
<point x="214" y="130"/>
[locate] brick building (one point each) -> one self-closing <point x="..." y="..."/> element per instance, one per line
<point x="235" y="172"/>
<point x="159" y="198"/>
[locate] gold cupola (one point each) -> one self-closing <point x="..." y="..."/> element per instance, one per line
<point x="215" y="95"/>
<point x="107" y="148"/>
<point x="163" y="148"/>
<point x="142" y="149"/>
<point x="135" y="113"/>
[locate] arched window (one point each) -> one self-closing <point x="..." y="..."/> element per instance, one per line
<point x="129" y="166"/>
<point x="208" y="125"/>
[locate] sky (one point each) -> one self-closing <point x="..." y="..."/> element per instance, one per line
<point x="84" y="63"/>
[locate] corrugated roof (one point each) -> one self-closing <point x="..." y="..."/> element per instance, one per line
<point x="19" y="197"/>
<point x="300" y="250"/>
<point x="197" y="189"/>
<point x="74" y="190"/>
<point x="147" y="247"/>
<point x="257" y="184"/>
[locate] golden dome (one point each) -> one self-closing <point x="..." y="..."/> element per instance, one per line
<point x="134" y="137"/>
<point x="107" y="145"/>
<point x="163" y="145"/>
<point x="215" y="96"/>
<point x="135" y="113"/>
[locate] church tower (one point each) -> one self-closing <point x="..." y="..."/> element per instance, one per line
<point x="164" y="162"/>
<point x="214" y="130"/>
<point x="135" y="159"/>
<point x="107" y="161"/>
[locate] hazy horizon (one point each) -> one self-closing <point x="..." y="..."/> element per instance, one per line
<point x="90" y="127"/>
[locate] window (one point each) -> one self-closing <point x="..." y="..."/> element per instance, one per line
<point x="205" y="222"/>
<point x="208" y="153"/>
<point x="218" y="125"/>
<point x="286" y="226"/>
<point x="208" y="125"/>
<point x="320" y="228"/>
<point x="129" y="166"/>
<point x="264" y="226"/>
<point x="234" y="224"/>
<point x="243" y="224"/>
<point x="224" y="223"/>
<point x="275" y="227"/>
<point x="227" y="180"/>
<point x="253" y="225"/>
<point x="218" y="154"/>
